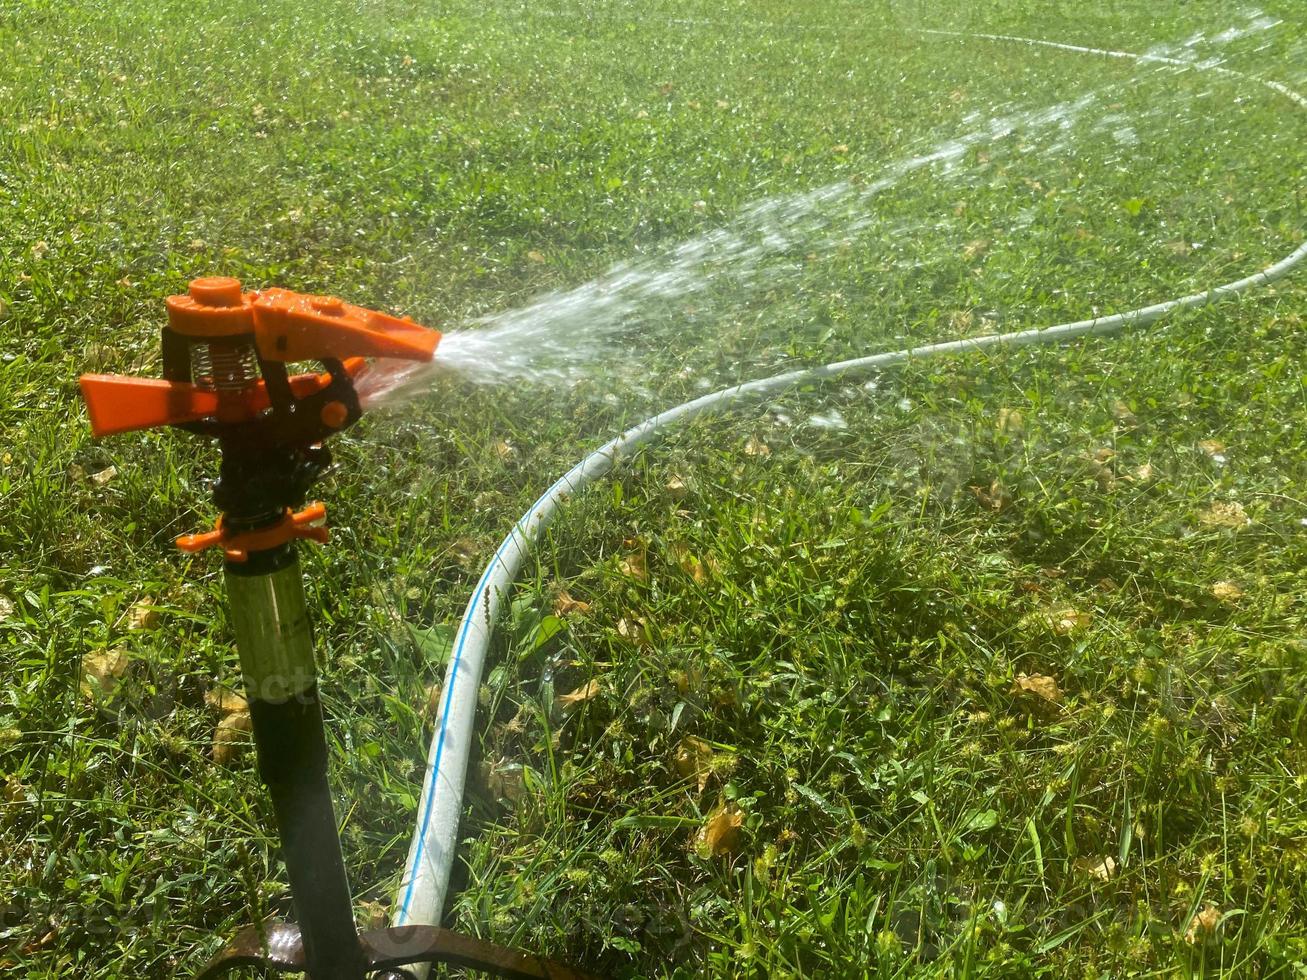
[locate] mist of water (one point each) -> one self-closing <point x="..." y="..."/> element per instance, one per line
<point x="561" y="336"/>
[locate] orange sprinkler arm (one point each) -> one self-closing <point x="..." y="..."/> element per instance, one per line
<point x="294" y="327"/>
<point x="116" y="403"/>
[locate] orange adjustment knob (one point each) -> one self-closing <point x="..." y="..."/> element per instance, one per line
<point x="237" y="546"/>
<point x="213" y="306"/>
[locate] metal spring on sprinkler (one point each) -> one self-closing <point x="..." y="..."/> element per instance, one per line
<point x="223" y="367"/>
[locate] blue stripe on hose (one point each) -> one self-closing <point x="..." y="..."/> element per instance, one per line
<point x="475" y="601"/>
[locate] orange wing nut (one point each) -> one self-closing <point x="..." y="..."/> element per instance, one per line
<point x="237" y="546"/>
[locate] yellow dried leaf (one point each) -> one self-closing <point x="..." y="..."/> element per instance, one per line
<point x="375" y="915"/>
<point x="1203" y="925"/>
<point x="1103" y="475"/>
<point x="975" y="248"/>
<point x="839" y="149"/>
<point x="1225" y="514"/>
<point x="565" y="605"/>
<point x="1103" y="870"/>
<point x="1227" y="592"/>
<point x="14" y="790"/>
<point x="687" y="681"/>
<point x="689" y="563"/>
<point x="431" y="703"/>
<point x="632" y="630"/>
<point x="1122" y="413"/>
<point x="695" y="569"/>
<point x="231" y="737"/>
<point x="1010" y="421"/>
<point x="504" y="450"/>
<point x="143" y="615"/>
<point x="46" y="940"/>
<point x="1040" y="685"/>
<point x="676" y="486"/>
<point x="721" y="834"/>
<point x="584" y="693"/>
<point x="103" y="477"/>
<point x="693" y="760"/>
<point x="1145" y="473"/>
<point x="1104" y="454"/>
<point x="1068" y="620"/>
<point x="1212" y="447"/>
<point x="535" y="256"/>
<point x="996" y="498"/>
<point x="505" y="780"/>
<point x="634" y="566"/>
<point x="464" y="549"/>
<point x="756" y="447"/>
<point x="101" y="671"/>
<point x="225" y="702"/>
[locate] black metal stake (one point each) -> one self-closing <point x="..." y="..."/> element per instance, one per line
<point x="275" y="641"/>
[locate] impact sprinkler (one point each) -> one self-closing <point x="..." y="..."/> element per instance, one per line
<point x="225" y="357"/>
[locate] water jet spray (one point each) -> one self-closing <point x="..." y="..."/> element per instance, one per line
<point x="225" y="364"/>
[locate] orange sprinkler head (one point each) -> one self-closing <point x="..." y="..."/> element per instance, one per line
<point x="232" y="329"/>
<point x="225" y="353"/>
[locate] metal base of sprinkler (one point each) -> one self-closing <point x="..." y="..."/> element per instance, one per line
<point x="279" y="947"/>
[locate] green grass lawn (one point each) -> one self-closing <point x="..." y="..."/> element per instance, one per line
<point x="1000" y="674"/>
